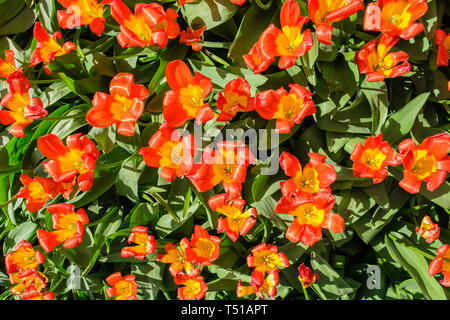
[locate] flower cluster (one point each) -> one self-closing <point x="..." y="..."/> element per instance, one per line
<point x="22" y="267"/>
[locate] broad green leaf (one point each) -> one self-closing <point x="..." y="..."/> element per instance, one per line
<point x="24" y="231"/>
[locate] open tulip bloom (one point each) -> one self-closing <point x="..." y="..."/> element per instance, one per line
<point x="378" y="63"/>
<point x="8" y="65"/>
<point x="177" y="258"/>
<point x="265" y="258"/>
<point x="325" y="12"/>
<point x="21" y="108"/>
<point x="395" y="17"/>
<point x="68" y="225"/>
<point x="150" y="25"/>
<point x="269" y="287"/>
<point x="122" y="107"/>
<point x="190" y="37"/>
<point x="122" y="288"/>
<point x="204" y="248"/>
<point x="442" y="41"/>
<point x="427" y="162"/>
<point x="441" y="264"/>
<point x="23" y="259"/>
<point x="37" y="191"/>
<point x="82" y="12"/>
<point x="193" y="287"/>
<point x="290" y="42"/>
<point x="255" y="60"/>
<point x="47" y="47"/>
<point x="145" y="244"/>
<point x="235" y="98"/>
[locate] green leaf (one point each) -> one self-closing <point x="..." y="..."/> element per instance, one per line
<point x="401" y="122"/>
<point x="22" y="22"/>
<point x="24" y="231"/>
<point x="376" y="94"/>
<point x="417" y="267"/>
<point x="209" y="13"/>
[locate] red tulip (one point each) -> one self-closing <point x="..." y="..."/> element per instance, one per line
<point x="268" y="287"/>
<point x="441" y="264"/>
<point x="255" y="60"/>
<point x="177" y="258"/>
<point x="289" y="108"/>
<point x="265" y="258"/>
<point x="395" y="17"/>
<point x="235" y="98"/>
<point x="123" y="107"/>
<point x="442" y="41"/>
<point x="204" y="249"/>
<point x="122" y="288"/>
<point x="23" y="259"/>
<point x="194" y="287"/>
<point x="145" y="244"/>
<point x="8" y="65"/>
<point x="36" y="191"/>
<point x="428" y="230"/>
<point x="375" y="60"/>
<point x="190" y="37"/>
<point x="306" y="276"/>
<point x="427" y="162"/>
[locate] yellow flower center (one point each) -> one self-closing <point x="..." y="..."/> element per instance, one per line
<point x="327" y="6"/>
<point x="120" y="106"/>
<point x="72" y="160"/>
<point x="139" y="27"/>
<point x="289" y="106"/>
<point x="192" y="288"/>
<point x="25" y="258"/>
<point x="123" y="289"/>
<point x="288" y="42"/>
<point x="424" y="164"/>
<point x="204" y="248"/>
<point x="309" y="214"/>
<point x="233" y="99"/>
<point x="307" y="180"/>
<point x="191" y="98"/>
<point x="373" y="158"/>
<point x="36" y="190"/>
<point x="171" y="154"/>
<point x="397" y="13"/>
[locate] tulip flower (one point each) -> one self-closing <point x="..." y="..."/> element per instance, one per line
<point x="289" y="108"/>
<point x="256" y="61"/>
<point x="375" y="60"/>
<point x="237" y="221"/>
<point x="268" y="287"/>
<point x="176" y="258"/>
<point x="69" y="227"/>
<point x="194" y="287"/>
<point x="31" y="293"/>
<point x="311" y="214"/>
<point x="227" y="164"/>
<point x="145" y="243"/>
<point x="371" y="158"/>
<point x="78" y="157"/>
<point x="123" y="288"/>
<point x="324" y="13"/>
<point x="36" y="191"/>
<point x="427" y="162"/>
<point x="171" y="152"/>
<point x="47" y="47"/>
<point x="306" y="276"/>
<point x="8" y="65"/>
<point x="316" y="176"/>
<point x="428" y="230"/>
<point x="149" y="25"/>
<point x="441" y="264"/>
<point x="123" y="107"/>
<point x="185" y="101"/>
<point x="289" y="43"/>
<point x="238" y="2"/>
<point x="190" y="37"/>
<point x="22" y="108"/>
<point x="33" y="278"/>
<point x="442" y="41"/>
<point x="82" y="12"/>
<point x="265" y="258"/>
<point x="235" y="98"/>
<point x="183" y="2"/>
<point x="395" y="17"/>
<point x="23" y="259"/>
<point x="66" y="188"/>
<point x="204" y="249"/>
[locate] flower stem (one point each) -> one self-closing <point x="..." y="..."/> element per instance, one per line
<point x="306" y="293"/>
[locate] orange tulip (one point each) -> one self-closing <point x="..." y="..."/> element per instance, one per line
<point x="149" y="25"/>
<point x="370" y="160"/>
<point x="36" y="191"/>
<point x="289" y="108"/>
<point x="265" y="258"/>
<point x="123" y="107"/>
<point x="186" y="99"/>
<point x="31" y="293"/>
<point x="237" y="221"/>
<point x="22" y="108"/>
<point x="8" y="65"/>
<point x="395" y="17"/>
<point x="289" y="43"/>
<point x="145" y="244"/>
<point x="316" y="176"/>
<point x="69" y="227"/>
<point x="123" y="288"/>
<point x="375" y="60"/>
<point x="66" y="162"/>
<point x="47" y="47"/>
<point x="33" y="278"/>
<point x="176" y="258"/>
<point x="441" y="264"/>
<point x="204" y="249"/>
<point x="171" y="152"/>
<point x="311" y="214"/>
<point x="23" y="259"/>
<point x="190" y="37"/>
<point x="235" y="98"/>
<point x="268" y="287"/>
<point x="427" y="162"/>
<point x="325" y="12"/>
<point x="227" y="164"/>
<point x="82" y="12"/>
<point x="428" y="230"/>
<point x="194" y="287"/>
